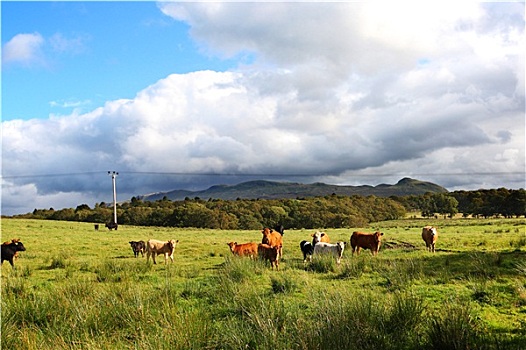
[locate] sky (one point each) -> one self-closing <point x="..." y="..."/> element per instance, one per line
<point x="188" y="95"/>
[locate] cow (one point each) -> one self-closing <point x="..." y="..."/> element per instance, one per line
<point x="307" y="249"/>
<point x="9" y="250"/>
<point x="266" y="252"/>
<point x="320" y="237"/>
<point x="430" y="236"/>
<point x="335" y="249"/>
<point x="155" y="247"/>
<point x="138" y="247"/>
<point x="244" y="249"/>
<point x="14" y="240"/>
<point x="370" y="241"/>
<point x="273" y="239"/>
<point x="279" y="228"/>
<point x="112" y="225"/>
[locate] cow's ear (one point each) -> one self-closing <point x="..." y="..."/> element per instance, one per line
<point x="177" y="241"/>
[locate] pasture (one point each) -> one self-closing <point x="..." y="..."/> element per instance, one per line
<point x="77" y="288"/>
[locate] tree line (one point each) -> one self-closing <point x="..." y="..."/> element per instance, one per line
<point x="333" y="211"/>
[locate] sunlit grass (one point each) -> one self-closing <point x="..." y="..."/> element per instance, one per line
<point x="86" y="290"/>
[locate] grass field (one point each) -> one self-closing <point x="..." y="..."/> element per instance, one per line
<point x="77" y="288"/>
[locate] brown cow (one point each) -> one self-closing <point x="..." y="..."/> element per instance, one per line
<point x="244" y="249"/>
<point x="155" y="247"/>
<point x="266" y="252"/>
<point x="320" y="237"/>
<point x="430" y="236"/>
<point x="273" y="239"/>
<point x="370" y="241"/>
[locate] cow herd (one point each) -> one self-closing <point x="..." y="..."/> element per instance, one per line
<point x="270" y="249"/>
<point x="271" y="246"/>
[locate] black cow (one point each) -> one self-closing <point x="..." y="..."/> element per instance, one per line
<point x="279" y="228"/>
<point x="307" y="249"/>
<point x="138" y="247"/>
<point x="112" y="225"/>
<point x="9" y="251"/>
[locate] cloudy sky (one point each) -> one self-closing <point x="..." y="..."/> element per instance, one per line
<point x="188" y="95"/>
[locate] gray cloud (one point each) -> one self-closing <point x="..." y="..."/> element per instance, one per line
<point x="346" y="93"/>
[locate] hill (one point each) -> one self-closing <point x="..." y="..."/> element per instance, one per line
<point x="279" y="190"/>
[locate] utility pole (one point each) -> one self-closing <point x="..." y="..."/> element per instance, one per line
<point x="113" y="176"/>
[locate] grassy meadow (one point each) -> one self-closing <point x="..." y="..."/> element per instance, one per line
<point x="77" y="288"/>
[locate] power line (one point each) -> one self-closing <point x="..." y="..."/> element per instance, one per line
<point x="262" y="174"/>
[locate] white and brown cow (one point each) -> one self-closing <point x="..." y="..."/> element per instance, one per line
<point x="370" y="241"/>
<point x="320" y="237"/>
<point x="430" y="236"/>
<point x="336" y="249"/>
<point x="155" y="247"/>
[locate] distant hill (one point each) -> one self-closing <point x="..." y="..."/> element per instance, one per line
<point x="279" y="190"/>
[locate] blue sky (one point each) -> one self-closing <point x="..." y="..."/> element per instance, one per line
<point x="107" y="51"/>
<point x="344" y="93"/>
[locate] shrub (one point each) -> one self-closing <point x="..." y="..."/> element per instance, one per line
<point x="455" y="328"/>
<point x="284" y="284"/>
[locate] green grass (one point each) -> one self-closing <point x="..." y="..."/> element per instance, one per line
<point x="75" y="287"/>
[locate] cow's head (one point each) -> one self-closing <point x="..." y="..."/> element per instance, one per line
<point x="433" y="231"/>
<point x="172" y="243"/>
<point x="316" y="237"/>
<point x="378" y="236"/>
<point x="19" y="246"/>
<point x="231" y="245"/>
<point x="267" y="232"/>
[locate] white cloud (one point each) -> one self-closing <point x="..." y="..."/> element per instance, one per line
<point x="329" y="94"/>
<point x="23" y="48"/>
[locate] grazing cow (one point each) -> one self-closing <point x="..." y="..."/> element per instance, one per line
<point x="138" y="247"/>
<point x="244" y="249"/>
<point x="370" y="241"/>
<point x="335" y="249"/>
<point x="430" y="236"/>
<point x="269" y="253"/>
<point x="10" y="249"/>
<point x="112" y="225"/>
<point x="155" y="247"/>
<point x="307" y="249"/>
<point x="273" y="239"/>
<point x="320" y="237"/>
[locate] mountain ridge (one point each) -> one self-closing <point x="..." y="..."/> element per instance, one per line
<point x="264" y="189"/>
